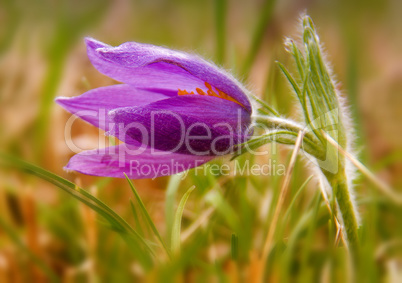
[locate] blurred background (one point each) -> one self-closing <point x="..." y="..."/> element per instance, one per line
<point x="44" y="232"/>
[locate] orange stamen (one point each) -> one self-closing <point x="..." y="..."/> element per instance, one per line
<point x="184" y="92"/>
<point x="200" y="91"/>
<point x="210" y="92"/>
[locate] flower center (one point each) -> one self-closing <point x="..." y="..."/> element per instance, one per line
<point x="210" y="92"/>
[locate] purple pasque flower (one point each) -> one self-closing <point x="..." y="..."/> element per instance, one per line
<point x="175" y="111"/>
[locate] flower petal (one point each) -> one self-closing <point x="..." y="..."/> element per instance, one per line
<point x="192" y="124"/>
<point x="94" y="105"/>
<point x="153" y="67"/>
<point x="116" y="160"/>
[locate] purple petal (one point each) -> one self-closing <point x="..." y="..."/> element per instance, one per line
<point x="94" y="105"/>
<point x="192" y="124"/>
<point x="116" y="160"/>
<point x="152" y="67"/>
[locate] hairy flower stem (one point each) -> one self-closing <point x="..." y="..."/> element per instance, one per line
<point x="342" y="194"/>
<point x="340" y="189"/>
<point x="337" y="181"/>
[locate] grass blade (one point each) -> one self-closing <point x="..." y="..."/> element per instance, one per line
<point x="175" y="240"/>
<point x="146" y="214"/>
<point x="284" y="188"/>
<point x="136" y="218"/>
<point x="135" y="241"/>
<point x="170" y="202"/>
<point x="292" y="203"/>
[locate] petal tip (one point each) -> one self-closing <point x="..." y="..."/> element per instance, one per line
<point x="68" y="169"/>
<point x="92" y="43"/>
<point x="61" y="100"/>
<point x="112" y="113"/>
